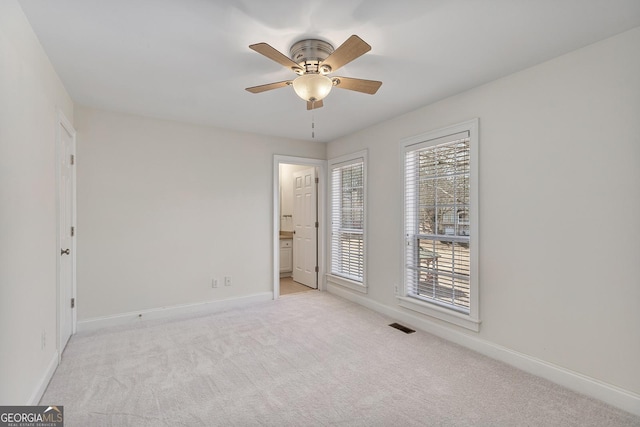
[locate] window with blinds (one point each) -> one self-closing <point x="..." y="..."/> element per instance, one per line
<point x="347" y="193"/>
<point x="438" y="228"/>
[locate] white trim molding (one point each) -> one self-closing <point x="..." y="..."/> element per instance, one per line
<point x="337" y="163"/>
<point x="207" y="307"/>
<point x="322" y="174"/>
<point x="580" y="383"/>
<point x="35" y="397"/>
<point x="408" y="300"/>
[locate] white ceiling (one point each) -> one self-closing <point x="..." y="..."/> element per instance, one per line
<point x="189" y="60"/>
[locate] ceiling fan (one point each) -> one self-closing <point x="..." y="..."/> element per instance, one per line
<point x="313" y="60"/>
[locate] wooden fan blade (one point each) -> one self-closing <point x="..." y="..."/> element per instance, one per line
<point x="314" y="105"/>
<point x="275" y="55"/>
<point x="270" y="86"/>
<point x="359" y="85"/>
<point x="351" y="49"/>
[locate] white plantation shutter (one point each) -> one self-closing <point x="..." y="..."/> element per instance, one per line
<point x="347" y="219"/>
<point x="437" y="221"/>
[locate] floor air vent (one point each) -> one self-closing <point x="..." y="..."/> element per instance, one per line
<point x="402" y="328"/>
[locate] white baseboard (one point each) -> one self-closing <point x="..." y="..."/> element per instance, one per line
<point x="171" y="311"/>
<point x="613" y="395"/>
<point x="44" y="381"/>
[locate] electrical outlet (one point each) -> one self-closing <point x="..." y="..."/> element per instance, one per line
<point x="214" y="283"/>
<point x="227" y="280"/>
<point x="43" y="340"/>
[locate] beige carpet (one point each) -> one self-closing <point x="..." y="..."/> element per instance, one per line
<point x="309" y="359"/>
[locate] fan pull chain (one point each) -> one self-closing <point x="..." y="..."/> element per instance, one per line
<point x="313" y="120"/>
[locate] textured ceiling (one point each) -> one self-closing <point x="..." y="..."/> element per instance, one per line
<point x="189" y="60"/>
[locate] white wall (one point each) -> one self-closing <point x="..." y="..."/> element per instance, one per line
<point x="164" y="207"/>
<point x="30" y="92"/>
<point x="559" y="207"/>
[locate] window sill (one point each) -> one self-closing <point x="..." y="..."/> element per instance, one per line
<point x="350" y="284"/>
<point x="459" y="319"/>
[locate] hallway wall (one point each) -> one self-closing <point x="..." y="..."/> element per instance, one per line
<point x="30" y="95"/>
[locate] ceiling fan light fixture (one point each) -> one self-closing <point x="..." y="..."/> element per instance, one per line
<point x="312" y="60"/>
<point x="312" y="87"/>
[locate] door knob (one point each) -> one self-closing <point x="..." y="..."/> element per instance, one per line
<point x="64" y="252"/>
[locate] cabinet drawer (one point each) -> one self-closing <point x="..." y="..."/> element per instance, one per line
<point x="286" y="243"/>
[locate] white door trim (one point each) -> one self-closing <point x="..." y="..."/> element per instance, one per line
<point x="63" y="122"/>
<point x="322" y="217"/>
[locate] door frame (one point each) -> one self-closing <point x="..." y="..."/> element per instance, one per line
<point x="322" y="209"/>
<point x="63" y="122"/>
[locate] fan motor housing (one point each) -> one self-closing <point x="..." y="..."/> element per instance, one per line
<point x="309" y="53"/>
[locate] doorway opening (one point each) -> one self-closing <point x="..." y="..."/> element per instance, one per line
<point x="298" y="224"/>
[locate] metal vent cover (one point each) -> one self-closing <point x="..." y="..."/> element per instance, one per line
<point x="402" y="328"/>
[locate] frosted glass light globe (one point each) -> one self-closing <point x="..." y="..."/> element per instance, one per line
<point x="312" y="87"/>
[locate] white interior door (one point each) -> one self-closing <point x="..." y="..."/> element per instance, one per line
<point x="304" y="225"/>
<point x="66" y="254"/>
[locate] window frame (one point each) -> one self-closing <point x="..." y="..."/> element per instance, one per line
<point x="339" y="162"/>
<point x="471" y="320"/>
